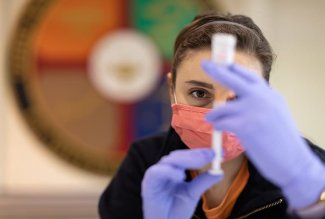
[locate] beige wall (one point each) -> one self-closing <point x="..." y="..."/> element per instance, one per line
<point x="2" y="102"/>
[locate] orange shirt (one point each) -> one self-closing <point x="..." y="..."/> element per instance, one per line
<point x="223" y="210"/>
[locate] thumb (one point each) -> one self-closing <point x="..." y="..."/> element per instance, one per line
<point x="201" y="183"/>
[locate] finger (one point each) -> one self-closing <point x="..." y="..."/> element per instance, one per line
<point x="232" y="124"/>
<point x="201" y="183"/>
<point x="246" y="74"/>
<point x="156" y="176"/>
<point x="188" y="159"/>
<point x="226" y="78"/>
<point x="225" y="110"/>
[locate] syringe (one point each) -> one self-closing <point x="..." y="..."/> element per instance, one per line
<point x="223" y="53"/>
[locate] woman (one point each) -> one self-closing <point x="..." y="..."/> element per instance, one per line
<point x="263" y="152"/>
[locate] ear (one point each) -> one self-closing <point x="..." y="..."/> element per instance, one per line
<point x="171" y="87"/>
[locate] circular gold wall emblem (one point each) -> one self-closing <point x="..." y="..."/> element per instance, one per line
<point x="124" y="66"/>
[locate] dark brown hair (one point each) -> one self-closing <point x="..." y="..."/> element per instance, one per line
<point x="198" y="34"/>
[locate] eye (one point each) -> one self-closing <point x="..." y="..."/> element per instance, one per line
<point x="200" y="97"/>
<point x="200" y="94"/>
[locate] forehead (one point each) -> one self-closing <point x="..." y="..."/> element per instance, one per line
<point x="190" y="67"/>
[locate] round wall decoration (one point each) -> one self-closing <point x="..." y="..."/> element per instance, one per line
<point x="125" y="66"/>
<point x="89" y="76"/>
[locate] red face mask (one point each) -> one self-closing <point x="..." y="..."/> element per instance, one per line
<point x="189" y="123"/>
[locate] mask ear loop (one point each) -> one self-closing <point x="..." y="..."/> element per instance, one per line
<point x="175" y="100"/>
<point x="174" y="95"/>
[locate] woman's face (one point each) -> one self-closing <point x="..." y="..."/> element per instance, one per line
<point x="194" y="87"/>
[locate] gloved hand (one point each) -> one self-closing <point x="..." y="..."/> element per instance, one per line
<point x="166" y="195"/>
<point x="261" y="120"/>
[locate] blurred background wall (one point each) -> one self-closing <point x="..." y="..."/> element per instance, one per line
<point x="2" y="112"/>
<point x="295" y="29"/>
<point x="34" y="182"/>
<point x="28" y="164"/>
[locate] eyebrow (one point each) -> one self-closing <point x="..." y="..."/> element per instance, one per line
<point x="200" y="83"/>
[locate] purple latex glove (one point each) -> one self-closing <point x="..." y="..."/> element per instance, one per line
<point x="166" y="195"/>
<point x="261" y="120"/>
